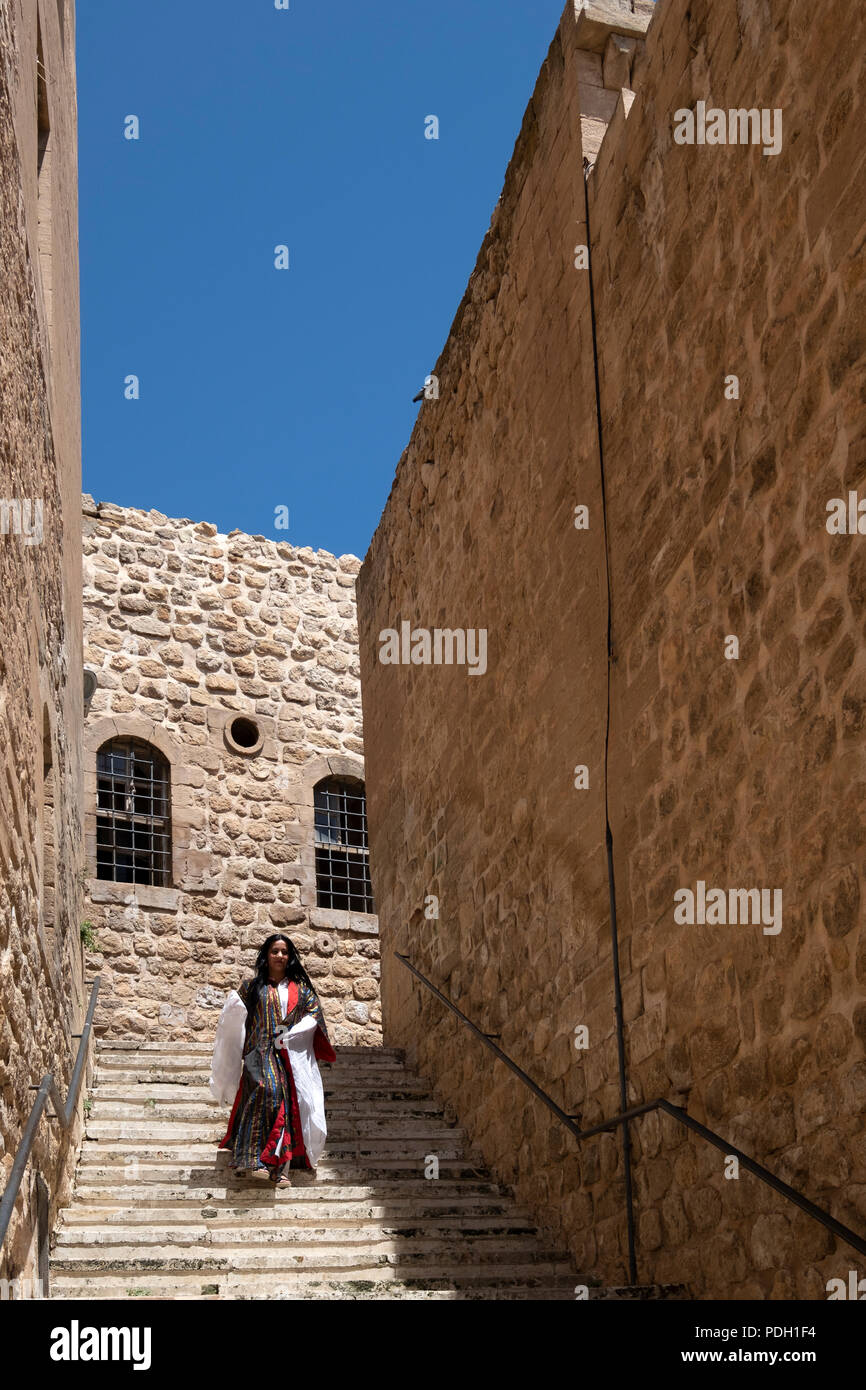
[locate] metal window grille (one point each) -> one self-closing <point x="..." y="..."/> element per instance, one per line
<point x="342" y="853"/>
<point x="133" y="822"/>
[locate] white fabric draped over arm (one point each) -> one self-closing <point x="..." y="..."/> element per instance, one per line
<point x="308" y="1084"/>
<point x="228" y="1050"/>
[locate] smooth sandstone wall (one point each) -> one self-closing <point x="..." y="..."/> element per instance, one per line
<point x="41" y="990"/>
<point x="707" y="261"/>
<point x="185" y="629"/>
<point x="748" y="772"/>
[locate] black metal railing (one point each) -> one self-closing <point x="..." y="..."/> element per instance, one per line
<point x="45" y="1091"/>
<point x="676" y="1112"/>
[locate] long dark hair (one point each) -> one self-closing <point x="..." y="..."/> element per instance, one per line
<point x="295" y="970"/>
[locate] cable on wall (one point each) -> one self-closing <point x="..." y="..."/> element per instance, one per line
<point x="611" y="880"/>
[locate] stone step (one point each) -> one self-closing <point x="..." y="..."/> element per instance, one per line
<point x="207" y="1158"/>
<point x="143" y="1286"/>
<point x="205" y="1049"/>
<point x="109" y="1065"/>
<point x="135" y="1165"/>
<point x="188" y="1049"/>
<point x="201" y="1063"/>
<point x="471" y="1258"/>
<point x="342" y="1173"/>
<point x="202" y="1147"/>
<point x="207" y="1111"/>
<point x="138" y="1091"/>
<point x="383" y="1133"/>
<point x="334" y="1078"/>
<point x="143" y="1063"/>
<point x="258" y="1193"/>
<point x="162" y="1189"/>
<point x="226" y="1229"/>
<point x="234" y="1208"/>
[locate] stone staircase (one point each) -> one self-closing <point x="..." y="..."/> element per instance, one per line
<point x="158" y="1212"/>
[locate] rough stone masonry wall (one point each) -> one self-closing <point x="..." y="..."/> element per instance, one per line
<point x="707" y="261"/>
<point x="186" y="629"/>
<point x="40" y="624"/>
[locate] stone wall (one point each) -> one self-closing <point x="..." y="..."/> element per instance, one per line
<point x="708" y="262"/>
<point x="186" y="630"/>
<point x="41" y="989"/>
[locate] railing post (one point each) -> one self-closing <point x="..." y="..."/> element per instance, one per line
<point x="43" y="1206"/>
<point x="19" y="1165"/>
<point x="46" y="1090"/>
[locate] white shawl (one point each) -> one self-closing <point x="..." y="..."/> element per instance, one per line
<point x="296" y="1045"/>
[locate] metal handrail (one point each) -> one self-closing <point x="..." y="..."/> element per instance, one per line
<point x="47" y="1089"/>
<point x="817" y="1213"/>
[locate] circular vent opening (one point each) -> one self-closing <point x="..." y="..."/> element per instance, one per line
<point x="244" y="735"/>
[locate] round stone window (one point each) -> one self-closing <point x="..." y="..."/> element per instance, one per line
<point x="243" y="735"/>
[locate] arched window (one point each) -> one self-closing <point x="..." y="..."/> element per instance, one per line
<point x="133" y="820"/>
<point x="342" y="853"/>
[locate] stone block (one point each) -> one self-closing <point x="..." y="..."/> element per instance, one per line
<point x="618" y="54"/>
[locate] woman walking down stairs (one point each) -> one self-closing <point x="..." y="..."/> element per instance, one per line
<point x="396" y="1209"/>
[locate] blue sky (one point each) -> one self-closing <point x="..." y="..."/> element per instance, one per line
<point x="260" y="127"/>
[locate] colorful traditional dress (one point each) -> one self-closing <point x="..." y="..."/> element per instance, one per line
<point x="268" y="1065"/>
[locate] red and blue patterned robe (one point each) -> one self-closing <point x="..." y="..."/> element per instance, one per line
<point x="265" y="1125"/>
